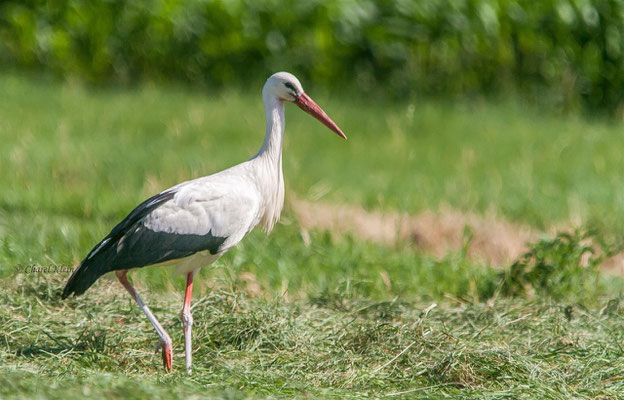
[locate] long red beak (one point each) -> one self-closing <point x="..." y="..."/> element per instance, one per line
<point x="308" y="105"/>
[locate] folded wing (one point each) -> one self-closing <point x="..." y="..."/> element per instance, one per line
<point x="177" y="223"/>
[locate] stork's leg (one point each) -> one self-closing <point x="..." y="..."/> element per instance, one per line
<point x="187" y="319"/>
<point x="164" y="342"/>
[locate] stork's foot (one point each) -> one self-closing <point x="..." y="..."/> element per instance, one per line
<point x="167" y="353"/>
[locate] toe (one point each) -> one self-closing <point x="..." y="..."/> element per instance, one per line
<point x="167" y="354"/>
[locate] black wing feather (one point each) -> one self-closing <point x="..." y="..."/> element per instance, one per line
<point x="130" y="244"/>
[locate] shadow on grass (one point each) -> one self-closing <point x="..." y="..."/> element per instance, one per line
<point x="88" y="341"/>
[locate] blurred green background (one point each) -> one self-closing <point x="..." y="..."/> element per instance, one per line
<point x="475" y="106"/>
<point x="560" y="53"/>
<point x="506" y="112"/>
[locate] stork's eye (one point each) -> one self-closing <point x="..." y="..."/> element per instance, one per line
<point x="290" y="86"/>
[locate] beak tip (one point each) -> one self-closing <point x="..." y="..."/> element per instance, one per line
<point x="308" y="105"/>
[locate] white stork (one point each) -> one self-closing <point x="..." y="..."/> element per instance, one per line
<point x="193" y="223"/>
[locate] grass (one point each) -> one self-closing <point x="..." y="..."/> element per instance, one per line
<point x="323" y="347"/>
<point x="313" y="317"/>
<point x="109" y="149"/>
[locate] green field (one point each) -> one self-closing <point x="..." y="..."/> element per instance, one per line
<point x="328" y="317"/>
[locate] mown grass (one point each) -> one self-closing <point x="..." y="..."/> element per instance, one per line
<point x="323" y="347"/>
<point x="303" y="313"/>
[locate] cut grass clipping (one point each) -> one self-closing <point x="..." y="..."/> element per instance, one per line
<point x="329" y="346"/>
<point x="334" y="344"/>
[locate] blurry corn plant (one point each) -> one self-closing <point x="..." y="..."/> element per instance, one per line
<point x="567" y="51"/>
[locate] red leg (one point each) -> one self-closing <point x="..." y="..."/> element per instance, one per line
<point x="164" y="342"/>
<point x="187" y="320"/>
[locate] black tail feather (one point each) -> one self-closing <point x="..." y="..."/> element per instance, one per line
<point x="79" y="282"/>
<point x="101" y="259"/>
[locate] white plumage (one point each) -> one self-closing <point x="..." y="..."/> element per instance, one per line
<point x="193" y="223"/>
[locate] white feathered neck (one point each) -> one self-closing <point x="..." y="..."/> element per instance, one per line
<point x="269" y="161"/>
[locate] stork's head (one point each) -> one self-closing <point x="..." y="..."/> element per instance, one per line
<point x="286" y="87"/>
